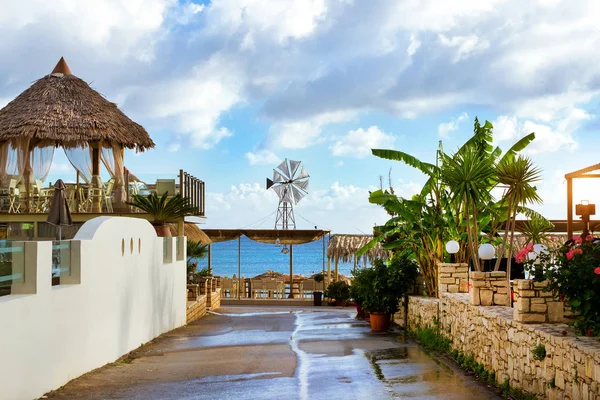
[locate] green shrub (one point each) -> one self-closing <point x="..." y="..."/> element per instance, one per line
<point x="340" y="291"/>
<point x="539" y="352"/>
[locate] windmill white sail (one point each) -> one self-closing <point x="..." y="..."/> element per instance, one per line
<point x="291" y="187"/>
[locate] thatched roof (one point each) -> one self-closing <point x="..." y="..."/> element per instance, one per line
<point x="343" y="248"/>
<point x="270" y="236"/>
<point x="192" y="232"/>
<point x="61" y="109"/>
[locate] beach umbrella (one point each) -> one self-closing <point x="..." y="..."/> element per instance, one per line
<point x="59" y="214"/>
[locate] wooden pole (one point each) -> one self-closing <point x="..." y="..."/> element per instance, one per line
<point x="77" y="193"/>
<point x="336" y="269"/>
<point x="323" y="281"/>
<point x="569" y="208"/>
<point x="210" y="258"/>
<point x="291" y="295"/>
<point x="239" y="264"/>
<point x="97" y="200"/>
<point x="328" y="271"/>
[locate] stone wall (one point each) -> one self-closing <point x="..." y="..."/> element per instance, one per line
<point x="489" y="288"/>
<point x="535" y="304"/>
<point x="196" y="309"/>
<point x="421" y="311"/>
<point x="571" y="369"/>
<point x="214" y="299"/>
<point x="453" y="278"/>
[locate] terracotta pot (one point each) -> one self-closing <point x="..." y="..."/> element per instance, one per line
<point x="162" y="230"/>
<point x="380" y="322"/>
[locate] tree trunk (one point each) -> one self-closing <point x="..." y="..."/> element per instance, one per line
<point x="507" y="229"/>
<point x="470" y="236"/>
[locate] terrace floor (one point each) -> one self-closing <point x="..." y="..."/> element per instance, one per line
<point x="250" y="352"/>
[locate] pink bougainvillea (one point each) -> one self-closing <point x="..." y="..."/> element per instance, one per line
<point x="589" y="238"/>
<point x="577" y="239"/>
<point x="597" y="270"/>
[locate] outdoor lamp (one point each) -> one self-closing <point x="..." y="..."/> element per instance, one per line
<point x="277" y="241"/>
<point x="486" y="251"/>
<point x="285" y="250"/>
<point x="452" y="247"/>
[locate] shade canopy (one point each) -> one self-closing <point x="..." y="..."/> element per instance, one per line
<point x="343" y="247"/>
<point x="270" y="236"/>
<point x="62" y="110"/>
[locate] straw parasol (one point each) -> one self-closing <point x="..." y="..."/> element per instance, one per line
<point x="61" y="109"/>
<point x="343" y="247"/>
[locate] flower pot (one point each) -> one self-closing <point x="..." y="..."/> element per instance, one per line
<point x="317" y="299"/>
<point x="380" y="322"/>
<point x="162" y="230"/>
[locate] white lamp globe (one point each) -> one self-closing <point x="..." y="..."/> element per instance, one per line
<point x="486" y="251"/>
<point x="452" y="247"/>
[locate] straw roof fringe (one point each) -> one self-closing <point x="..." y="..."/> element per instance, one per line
<point x="343" y="248"/>
<point x="60" y="109"/>
<point x="192" y="232"/>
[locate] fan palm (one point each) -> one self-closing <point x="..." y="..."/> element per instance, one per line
<point x="518" y="176"/>
<point x="163" y="209"/>
<point x="195" y="250"/>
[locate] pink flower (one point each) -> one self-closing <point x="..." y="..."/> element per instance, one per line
<point x="529" y="247"/>
<point x="597" y="270"/>
<point x="570" y="255"/>
<point x="577" y="239"/>
<point x="552" y="239"/>
<point x="577" y="251"/>
<point x="589" y="238"/>
<point x="564" y="333"/>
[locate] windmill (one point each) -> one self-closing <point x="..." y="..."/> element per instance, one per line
<point x="290" y="182"/>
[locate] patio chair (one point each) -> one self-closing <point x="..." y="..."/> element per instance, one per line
<point x="274" y="288"/>
<point x="307" y="288"/>
<point x="258" y="289"/>
<point x="229" y="287"/>
<point x="108" y="196"/>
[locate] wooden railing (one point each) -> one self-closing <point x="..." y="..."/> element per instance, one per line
<point x="192" y="188"/>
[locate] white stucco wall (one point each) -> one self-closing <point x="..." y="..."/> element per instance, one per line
<point x="124" y="299"/>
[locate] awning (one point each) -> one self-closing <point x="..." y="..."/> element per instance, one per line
<point x="270" y="236"/>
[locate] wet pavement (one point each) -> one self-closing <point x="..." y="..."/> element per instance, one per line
<point x="270" y="353"/>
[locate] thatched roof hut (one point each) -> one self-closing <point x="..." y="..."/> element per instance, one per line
<point x="61" y="109"/>
<point x="192" y="232"/>
<point x="343" y="247"/>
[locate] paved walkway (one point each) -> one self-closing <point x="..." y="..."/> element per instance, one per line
<point x="268" y="353"/>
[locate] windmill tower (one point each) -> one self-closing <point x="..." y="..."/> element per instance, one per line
<point x="290" y="182"/>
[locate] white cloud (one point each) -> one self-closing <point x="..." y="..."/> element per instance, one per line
<point x="338" y="164"/>
<point x="445" y="128"/>
<point x="465" y="45"/>
<point x="358" y="143"/>
<point x="262" y="157"/>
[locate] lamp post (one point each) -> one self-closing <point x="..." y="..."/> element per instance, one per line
<point x="486" y="252"/>
<point x="452" y="248"/>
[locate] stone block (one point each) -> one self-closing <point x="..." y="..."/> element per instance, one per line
<point x="463" y="286"/>
<point x="522" y="305"/>
<point x="543" y="293"/>
<point x="531" y="318"/>
<point x="555" y="311"/>
<point x="462" y="269"/>
<point x="540" y="285"/>
<point x="537" y="300"/>
<point x="448" y="269"/>
<point x="461" y="275"/>
<point x="478" y="284"/>
<point x="539" y="308"/>
<point x="497" y="274"/>
<point x="442" y="288"/>
<point x="445" y="275"/>
<point x="486" y="297"/>
<point x="500" y="299"/>
<point x="477" y="275"/>
<point x="474" y="297"/>
<point x="448" y="281"/>
<point x="499" y="283"/>
<point x="502" y="290"/>
<point x="523" y="284"/>
<point x="527" y="293"/>
<point x="452" y="288"/>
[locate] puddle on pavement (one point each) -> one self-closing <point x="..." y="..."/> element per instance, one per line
<point x="233" y="338"/>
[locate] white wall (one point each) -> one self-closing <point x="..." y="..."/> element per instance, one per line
<point x="121" y="302"/>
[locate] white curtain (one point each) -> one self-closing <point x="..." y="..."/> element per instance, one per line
<point x="13" y="160"/>
<point x="40" y="160"/>
<point x="81" y="159"/>
<point x="112" y="158"/>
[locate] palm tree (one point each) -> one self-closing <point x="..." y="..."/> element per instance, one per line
<point x="195" y="251"/>
<point x="518" y="177"/>
<point x="470" y="178"/>
<point x="163" y="209"/>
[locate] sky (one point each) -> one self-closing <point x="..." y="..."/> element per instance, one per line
<point x="229" y="88"/>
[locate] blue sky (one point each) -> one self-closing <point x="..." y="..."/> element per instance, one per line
<point x="229" y="88"/>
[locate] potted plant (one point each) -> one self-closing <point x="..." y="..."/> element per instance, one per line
<point x="359" y="284"/>
<point x="338" y="293"/>
<point x="163" y="210"/>
<point x="317" y="294"/>
<point x="385" y="284"/>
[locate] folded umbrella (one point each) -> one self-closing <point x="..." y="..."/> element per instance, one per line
<point x="59" y="214"/>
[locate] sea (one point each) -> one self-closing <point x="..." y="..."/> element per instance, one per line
<point x="256" y="258"/>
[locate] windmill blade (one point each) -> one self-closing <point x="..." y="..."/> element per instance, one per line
<point x="302" y="185"/>
<point x="280" y="190"/>
<point x="278" y="178"/>
<point x="303" y="174"/>
<point x="269" y="183"/>
<point x="294" y="165"/>
<point x="283" y="167"/>
<point x="287" y="194"/>
<point x="298" y="195"/>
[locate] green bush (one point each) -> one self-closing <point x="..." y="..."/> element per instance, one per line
<point x="340" y="291"/>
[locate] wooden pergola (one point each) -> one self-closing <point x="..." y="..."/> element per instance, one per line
<point x="588" y="172"/>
